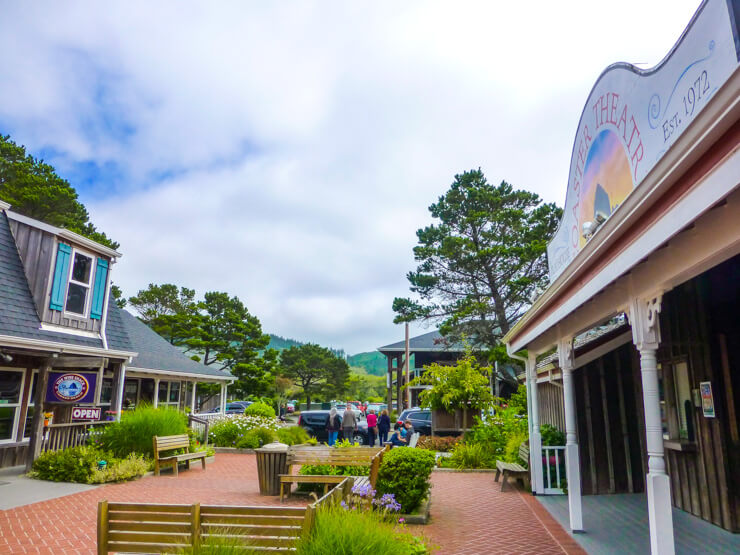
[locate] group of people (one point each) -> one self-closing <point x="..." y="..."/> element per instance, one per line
<point x="378" y="428"/>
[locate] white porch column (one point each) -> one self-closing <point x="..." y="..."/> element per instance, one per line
<point x="646" y="336"/>
<point x="155" y="400"/>
<point x="121" y="391"/>
<point x="572" y="458"/>
<point x="193" y="397"/>
<point x="535" y="439"/>
<point x="223" y="397"/>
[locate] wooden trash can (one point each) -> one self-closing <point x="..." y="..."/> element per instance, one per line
<point x="272" y="461"/>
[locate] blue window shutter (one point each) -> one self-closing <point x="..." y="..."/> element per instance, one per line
<point x="61" y="272"/>
<point x="98" y="296"/>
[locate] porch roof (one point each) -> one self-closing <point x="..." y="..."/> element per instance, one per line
<point x="432" y="342"/>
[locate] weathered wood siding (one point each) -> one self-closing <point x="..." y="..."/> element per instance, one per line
<point x="550" y="403"/>
<point x="608" y="418"/>
<point x="37" y="249"/>
<point x="697" y="319"/>
<point x="699" y="325"/>
<point x="13" y="454"/>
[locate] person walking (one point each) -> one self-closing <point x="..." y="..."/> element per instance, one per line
<point x="372" y="423"/>
<point x="349" y="423"/>
<point x="384" y="426"/>
<point x="333" y="425"/>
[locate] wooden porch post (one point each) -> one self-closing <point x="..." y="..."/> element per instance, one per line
<point x="389" y="383"/>
<point x="572" y="461"/>
<point x="535" y="439"/>
<point x="119" y="377"/>
<point x="37" y="428"/>
<point x="643" y="316"/>
<point x="193" y="397"/>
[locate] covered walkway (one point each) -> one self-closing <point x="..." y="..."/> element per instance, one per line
<point x="619" y="524"/>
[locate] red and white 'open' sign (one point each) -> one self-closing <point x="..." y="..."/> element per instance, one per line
<point x="86" y="413"/>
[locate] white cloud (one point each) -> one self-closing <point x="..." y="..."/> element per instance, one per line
<point x="287" y="152"/>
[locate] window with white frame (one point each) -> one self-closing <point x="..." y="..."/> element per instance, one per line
<point x="80" y="284"/>
<point x="168" y="394"/>
<point x="676" y="404"/>
<point x="11" y="389"/>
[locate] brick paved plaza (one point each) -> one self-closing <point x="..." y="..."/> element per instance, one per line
<point x="469" y="513"/>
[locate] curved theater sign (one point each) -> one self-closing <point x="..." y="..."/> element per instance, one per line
<point x="632" y="117"/>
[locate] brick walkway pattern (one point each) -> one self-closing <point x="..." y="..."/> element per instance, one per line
<point x="470" y="515"/>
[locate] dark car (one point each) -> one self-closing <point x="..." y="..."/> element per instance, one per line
<point x="315" y="421"/>
<point x="420" y="419"/>
<point x="237" y="407"/>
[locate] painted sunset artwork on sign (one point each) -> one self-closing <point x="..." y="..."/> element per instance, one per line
<point x="607" y="179"/>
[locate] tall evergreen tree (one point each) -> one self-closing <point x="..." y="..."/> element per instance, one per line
<point x="34" y="189"/>
<point x="481" y="261"/>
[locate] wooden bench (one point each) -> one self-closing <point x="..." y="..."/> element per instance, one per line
<point x="514" y="470"/>
<point x="169" y="443"/>
<point x="323" y="455"/>
<point x="158" y="528"/>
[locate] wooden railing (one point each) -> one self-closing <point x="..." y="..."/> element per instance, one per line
<point x="200" y="426"/>
<point x="553" y="468"/>
<point x="62" y="436"/>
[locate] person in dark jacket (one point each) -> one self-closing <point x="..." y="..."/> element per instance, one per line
<point x="397" y="440"/>
<point x="333" y="425"/>
<point x="384" y="426"/>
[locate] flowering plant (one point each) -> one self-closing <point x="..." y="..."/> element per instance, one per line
<point x="227" y="430"/>
<point x="362" y="497"/>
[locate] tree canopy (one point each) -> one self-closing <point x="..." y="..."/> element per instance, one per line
<point x="481" y="261"/>
<point x="316" y="369"/>
<point x="218" y="331"/>
<point x="464" y="385"/>
<point x="34" y="189"/>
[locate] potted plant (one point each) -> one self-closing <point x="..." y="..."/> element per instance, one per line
<point x="48" y="417"/>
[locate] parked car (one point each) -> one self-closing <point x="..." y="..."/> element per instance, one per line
<point x="237" y="407"/>
<point x="406" y="414"/>
<point x="377" y="407"/>
<point x="315" y="421"/>
<point x="421" y="420"/>
<point x="341" y="407"/>
<point x="289" y="407"/>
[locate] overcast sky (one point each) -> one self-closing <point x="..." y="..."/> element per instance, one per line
<point x="286" y="152"/>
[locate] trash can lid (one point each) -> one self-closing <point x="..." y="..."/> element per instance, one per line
<point x="274" y="446"/>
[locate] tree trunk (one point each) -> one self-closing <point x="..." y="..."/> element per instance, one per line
<point x="308" y="401"/>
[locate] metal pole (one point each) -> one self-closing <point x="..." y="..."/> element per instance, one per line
<point x="408" y="389"/>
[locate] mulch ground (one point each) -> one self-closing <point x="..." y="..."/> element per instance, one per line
<point x="469" y="513"/>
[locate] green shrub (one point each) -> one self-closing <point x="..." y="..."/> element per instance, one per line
<point x="405" y="473"/>
<point x="341" y="532"/>
<point x="551" y="435"/>
<point x="256" y="438"/>
<point x="511" y="452"/>
<point x="119" y="470"/>
<point x="260" y="409"/>
<point x="294" y="435"/>
<point x="80" y="465"/>
<point x="437" y="443"/>
<point x="471" y="455"/>
<point x="71" y="465"/>
<point x="134" y="432"/>
<point x="236" y="543"/>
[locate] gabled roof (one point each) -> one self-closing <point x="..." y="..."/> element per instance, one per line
<point x="155" y="353"/>
<point x="18" y="316"/>
<point x="428" y="342"/>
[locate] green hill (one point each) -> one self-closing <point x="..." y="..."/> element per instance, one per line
<point x="280" y="343"/>
<point x="373" y="362"/>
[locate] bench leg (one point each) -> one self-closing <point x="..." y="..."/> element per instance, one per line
<point x="498" y="474"/>
<point x="187" y="464"/>
<point x="174" y="468"/>
<point x="282" y="489"/>
<point x="504" y="481"/>
<point x="203" y="463"/>
<point x="156" y="467"/>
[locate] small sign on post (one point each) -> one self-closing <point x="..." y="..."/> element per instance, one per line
<point x="707" y="399"/>
<point x="86" y="413"/>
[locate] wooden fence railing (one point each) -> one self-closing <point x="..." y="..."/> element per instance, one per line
<point x="154" y="528"/>
<point x="200" y="426"/>
<point x="62" y="436"/>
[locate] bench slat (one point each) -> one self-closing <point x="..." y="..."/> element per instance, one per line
<point x="236" y="510"/>
<point x="254" y="520"/>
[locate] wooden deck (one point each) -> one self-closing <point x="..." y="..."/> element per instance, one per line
<point x="619" y="524"/>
